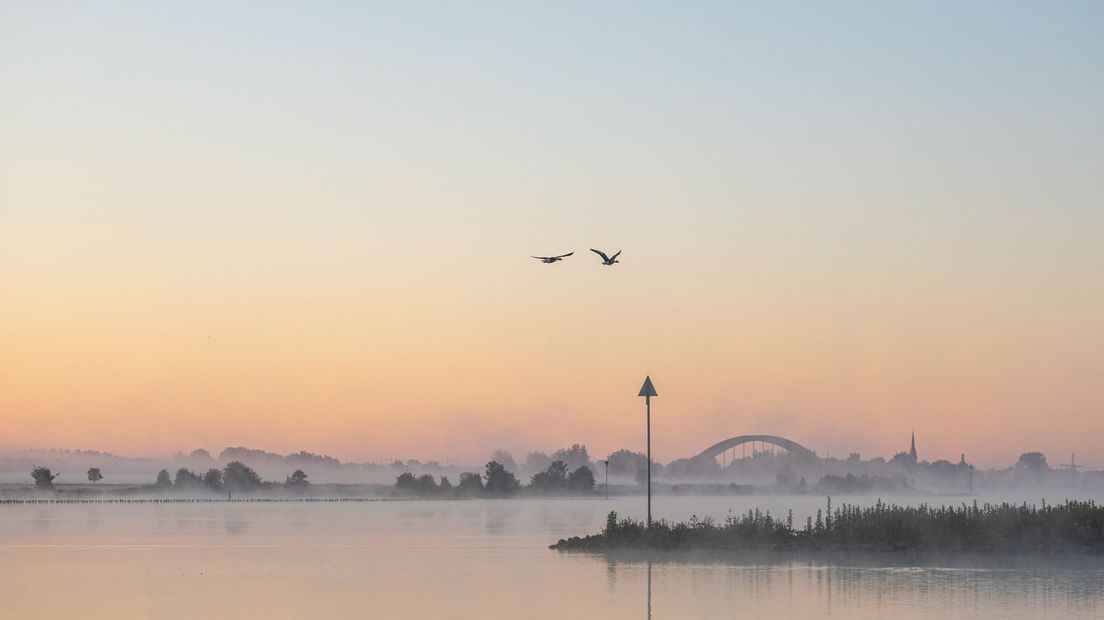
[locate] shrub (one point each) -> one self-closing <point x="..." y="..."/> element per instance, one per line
<point x="43" y="477"/>
<point x="239" y="477"/>
<point x="1072" y="526"/>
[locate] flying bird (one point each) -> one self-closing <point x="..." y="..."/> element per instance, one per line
<point x="607" y="260"/>
<point x="552" y="259"/>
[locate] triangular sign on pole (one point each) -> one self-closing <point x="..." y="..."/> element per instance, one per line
<point x="647" y="389"/>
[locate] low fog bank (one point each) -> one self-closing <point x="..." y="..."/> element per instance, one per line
<point x="760" y="470"/>
<point x="73" y="465"/>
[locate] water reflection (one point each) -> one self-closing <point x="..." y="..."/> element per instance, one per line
<point x="497" y="520"/>
<point x="879" y="584"/>
<point x="436" y="559"/>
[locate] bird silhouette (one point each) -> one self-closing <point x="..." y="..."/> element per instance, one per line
<point x="552" y="259"/>
<point x="607" y="260"/>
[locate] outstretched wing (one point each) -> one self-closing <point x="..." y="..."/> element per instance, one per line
<point x="540" y="257"/>
<point x="616" y="255"/>
<point x="566" y="255"/>
<point x="600" y="253"/>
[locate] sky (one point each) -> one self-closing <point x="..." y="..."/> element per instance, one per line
<point x="308" y="226"/>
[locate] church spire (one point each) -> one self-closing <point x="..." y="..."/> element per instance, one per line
<point x="912" y="451"/>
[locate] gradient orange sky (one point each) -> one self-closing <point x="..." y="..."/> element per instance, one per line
<point x="309" y="228"/>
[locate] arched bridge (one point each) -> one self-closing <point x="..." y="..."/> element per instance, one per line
<point x="786" y="444"/>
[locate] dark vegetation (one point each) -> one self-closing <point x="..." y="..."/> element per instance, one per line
<point x="43" y="477"/>
<point x="235" y="478"/>
<point x="1074" y="526"/>
<point x="497" y="481"/>
<point x="240" y="478"/>
<point x="567" y="471"/>
<point x="297" y="480"/>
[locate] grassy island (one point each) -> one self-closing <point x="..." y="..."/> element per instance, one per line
<point x="1073" y="526"/>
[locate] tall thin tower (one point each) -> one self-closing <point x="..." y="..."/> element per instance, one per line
<point x="912" y="451"/>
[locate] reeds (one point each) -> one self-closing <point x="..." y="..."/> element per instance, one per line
<point x="1070" y="526"/>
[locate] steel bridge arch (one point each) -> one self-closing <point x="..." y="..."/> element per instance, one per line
<point x="787" y="444"/>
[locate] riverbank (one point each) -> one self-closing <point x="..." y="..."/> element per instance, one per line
<point x="1072" y="526"/>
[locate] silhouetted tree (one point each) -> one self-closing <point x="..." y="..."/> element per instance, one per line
<point x="574" y="457"/>
<point x="680" y="468"/>
<point x="186" y="479"/>
<point x="43" y="477"/>
<point x="303" y="457"/>
<point x="94" y="475"/>
<point x="581" y="481"/>
<point x="500" y="482"/>
<point x="425" y="484"/>
<point x="626" y="463"/>
<point x="551" y="480"/>
<point x="406" y="482"/>
<point x="201" y="454"/>
<point x="241" y="453"/>
<point x="213" y="479"/>
<point x="1033" y="461"/>
<point x="446" y="486"/>
<point x="471" y="484"/>
<point x="163" y="479"/>
<point x="298" y="478"/>
<point x="238" y="476"/>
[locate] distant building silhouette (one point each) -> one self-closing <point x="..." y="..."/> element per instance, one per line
<point x="912" y="451"/>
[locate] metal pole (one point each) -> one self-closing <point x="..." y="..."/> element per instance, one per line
<point x="648" y="405"/>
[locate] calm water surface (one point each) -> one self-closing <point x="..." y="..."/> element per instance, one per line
<point x="478" y="559"/>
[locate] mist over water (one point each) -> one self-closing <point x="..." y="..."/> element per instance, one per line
<point x="851" y="250"/>
<point x="483" y="558"/>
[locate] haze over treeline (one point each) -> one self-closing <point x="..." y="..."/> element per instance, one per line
<point x="750" y="468"/>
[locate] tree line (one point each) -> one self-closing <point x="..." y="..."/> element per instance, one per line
<point x="236" y="477"/>
<point x="497" y="481"/>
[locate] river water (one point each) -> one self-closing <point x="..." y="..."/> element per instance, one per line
<point x="479" y="559"/>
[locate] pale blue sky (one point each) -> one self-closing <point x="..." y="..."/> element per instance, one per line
<point x="983" y="107"/>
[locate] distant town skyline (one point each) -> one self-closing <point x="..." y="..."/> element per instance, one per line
<point x="309" y="227"/>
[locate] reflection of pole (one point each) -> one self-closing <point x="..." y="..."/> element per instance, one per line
<point x="648" y="405"/>
<point x="649" y="590"/>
